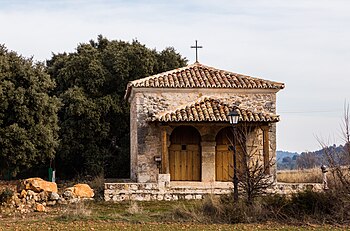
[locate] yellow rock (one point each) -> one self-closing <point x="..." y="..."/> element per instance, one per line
<point x="81" y="190"/>
<point x="40" y="208"/>
<point x="38" y="185"/>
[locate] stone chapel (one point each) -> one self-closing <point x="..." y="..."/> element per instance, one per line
<point x="179" y="127"/>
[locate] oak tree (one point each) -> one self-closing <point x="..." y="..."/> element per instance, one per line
<point x="28" y="113"/>
<point x="95" y="117"/>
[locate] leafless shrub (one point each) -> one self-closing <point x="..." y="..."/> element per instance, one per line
<point x="98" y="184"/>
<point x="307" y="160"/>
<point x="253" y="174"/>
<point x="339" y="162"/>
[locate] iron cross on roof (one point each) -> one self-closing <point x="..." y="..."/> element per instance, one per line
<point x="196" y="46"/>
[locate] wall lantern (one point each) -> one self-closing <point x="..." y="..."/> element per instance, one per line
<point x="233" y="117"/>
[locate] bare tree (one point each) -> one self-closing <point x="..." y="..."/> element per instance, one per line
<point x="339" y="161"/>
<point x="307" y="160"/>
<point x="253" y="169"/>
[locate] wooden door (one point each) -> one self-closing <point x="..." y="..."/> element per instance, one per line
<point x="184" y="154"/>
<point x="224" y="155"/>
<point x="223" y="163"/>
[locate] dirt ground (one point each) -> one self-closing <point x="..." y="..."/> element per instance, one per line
<point x="127" y="216"/>
<point x="112" y="225"/>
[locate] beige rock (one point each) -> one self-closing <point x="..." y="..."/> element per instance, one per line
<point x="62" y="201"/>
<point x="40" y="208"/>
<point x="38" y="185"/>
<point x="54" y="196"/>
<point x="68" y="193"/>
<point x="23" y="193"/>
<point x="51" y="203"/>
<point x="81" y="190"/>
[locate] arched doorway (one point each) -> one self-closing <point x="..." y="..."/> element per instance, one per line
<point x="224" y="155"/>
<point x="184" y="154"/>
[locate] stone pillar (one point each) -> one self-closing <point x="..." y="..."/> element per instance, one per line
<point x="266" y="149"/>
<point x="135" y="103"/>
<point x="208" y="161"/>
<point x="165" y="155"/>
<point x="272" y="142"/>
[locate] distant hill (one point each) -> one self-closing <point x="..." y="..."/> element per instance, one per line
<point x="294" y="160"/>
<point x="281" y="154"/>
<point x="286" y="160"/>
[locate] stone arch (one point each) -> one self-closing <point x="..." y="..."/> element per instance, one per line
<point x="185" y="154"/>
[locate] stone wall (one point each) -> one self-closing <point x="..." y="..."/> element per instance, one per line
<point x="166" y="190"/>
<point x="163" y="190"/>
<point x="146" y="137"/>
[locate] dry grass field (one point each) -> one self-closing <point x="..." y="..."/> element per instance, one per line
<point x="313" y="175"/>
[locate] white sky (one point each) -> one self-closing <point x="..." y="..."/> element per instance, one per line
<point x="303" y="43"/>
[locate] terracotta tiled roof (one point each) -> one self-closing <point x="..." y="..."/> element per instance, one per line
<point x="209" y="109"/>
<point x="201" y="76"/>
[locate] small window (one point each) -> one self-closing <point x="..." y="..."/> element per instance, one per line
<point x="183" y="147"/>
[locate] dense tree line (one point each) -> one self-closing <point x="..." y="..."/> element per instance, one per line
<point x="84" y="113"/>
<point x="28" y="113"/>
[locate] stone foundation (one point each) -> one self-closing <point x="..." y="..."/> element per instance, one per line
<point x="184" y="190"/>
<point x="290" y="188"/>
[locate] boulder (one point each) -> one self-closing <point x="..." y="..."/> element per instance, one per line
<point x="37" y="185"/>
<point x="79" y="190"/>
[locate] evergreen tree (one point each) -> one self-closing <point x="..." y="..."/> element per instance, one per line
<point x="28" y="114"/>
<point x="95" y="117"/>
